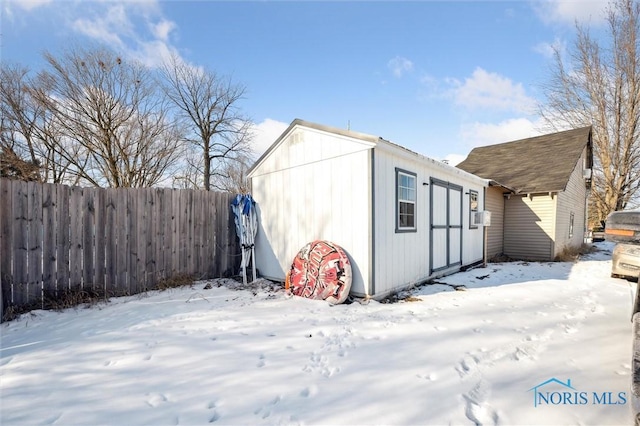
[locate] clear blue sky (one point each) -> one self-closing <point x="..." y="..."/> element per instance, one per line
<point x="437" y="77"/>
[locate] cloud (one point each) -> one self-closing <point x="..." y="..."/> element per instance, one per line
<point x="121" y="26"/>
<point x="490" y="90"/>
<point x="30" y="4"/>
<point x="108" y="28"/>
<point x="399" y="66"/>
<point x="482" y="134"/>
<point x="265" y="134"/>
<point x="548" y="49"/>
<point x="570" y="11"/>
<point x="162" y="29"/>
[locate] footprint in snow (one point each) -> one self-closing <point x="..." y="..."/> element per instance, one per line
<point x="309" y="391"/>
<point x="156" y="399"/>
<point x="431" y="377"/>
<point x="265" y="411"/>
<point x="215" y="416"/>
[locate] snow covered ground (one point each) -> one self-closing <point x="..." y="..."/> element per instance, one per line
<point x="536" y="343"/>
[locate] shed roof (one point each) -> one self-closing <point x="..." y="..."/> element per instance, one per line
<point x="533" y="165"/>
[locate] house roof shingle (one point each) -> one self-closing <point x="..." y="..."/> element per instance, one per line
<point x="532" y="165"/>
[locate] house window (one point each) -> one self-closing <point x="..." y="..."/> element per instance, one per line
<point x="571" y="225"/>
<point x="405" y="201"/>
<point x="473" y="208"/>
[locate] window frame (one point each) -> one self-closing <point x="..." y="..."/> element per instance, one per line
<point x="472" y="210"/>
<point x="571" y="224"/>
<point x="398" y="200"/>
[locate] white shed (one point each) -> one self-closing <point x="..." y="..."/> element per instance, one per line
<point x="401" y="217"/>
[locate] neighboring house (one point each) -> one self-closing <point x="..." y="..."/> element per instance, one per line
<point x="538" y="193"/>
<point x="401" y="217"/>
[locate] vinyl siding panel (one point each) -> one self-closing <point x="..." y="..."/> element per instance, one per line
<point x="403" y="259"/>
<point x="529" y="227"/>
<point x="321" y="191"/>
<point x="304" y="145"/>
<point x="572" y="201"/>
<point x="495" y="232"/>
<point x="314" y="184"/>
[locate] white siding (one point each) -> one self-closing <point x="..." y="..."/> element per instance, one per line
<point x="495" y="232"/>
<point x="313" y="185"/>
<point x="403" y="258"/>
<point x="303" y="145"/>
<point x="572" y="200"/>
<point x="529" y="227"/>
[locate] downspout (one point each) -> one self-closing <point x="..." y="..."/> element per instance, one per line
<point x="485" y="235"/>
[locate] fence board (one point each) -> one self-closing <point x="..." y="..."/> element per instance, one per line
<point x="34" y="248"/>
<point x="224" y="235"/>
<point x="149" y="256"/>
<point x="136" y="240"/>
<point x="115" y="241"/>
<point x="76" y="238"/>
<point x="100" y="241"/>
<point x="183" y="223"/>
<point x="111" y="242"/>
<point x="215" y="255"/>
<point x="49" y="238"/>
<point x="189" y="243"/>
<point x="168" y="232"/>
<point x="63" y="224"/>
<point x="88" y="236"/>
<point x="20" y="243"/>
<point x="6" y="245"/>
<point x="122" y="255"/>
<point x="206" y="220"/>
<point x="198" y="197"/>
<point x="160" y="220"/>
<point x="221" y="240"/>
<point x="217" y="252"/>
<point x="175" y="215"/>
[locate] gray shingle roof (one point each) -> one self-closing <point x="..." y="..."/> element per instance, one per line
<point x="532" y="165"/>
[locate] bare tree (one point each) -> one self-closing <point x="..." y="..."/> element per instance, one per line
<point x="29" y="133"/>
<point x="117" y="131"/>
<point x="218" y="130"/>
<point x="232" y="177"/>
<point x="599" y="85"/>
<point x="18" y="141"/>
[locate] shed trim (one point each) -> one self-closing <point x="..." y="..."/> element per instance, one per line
<point x="372" y="217"/>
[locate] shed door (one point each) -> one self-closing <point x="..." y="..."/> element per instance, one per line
<point x="446" y="225"/>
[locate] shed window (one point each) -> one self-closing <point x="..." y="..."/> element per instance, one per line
<point x="405" y="201"/>
<point x="473" y="208"/>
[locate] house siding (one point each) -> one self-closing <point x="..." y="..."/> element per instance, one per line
<point x="572" y="201"/>
<point x="314" y="185"/>
<point x="529" y="227"/>
<point x="495" y="232"/>
<point x="403" y="258"/>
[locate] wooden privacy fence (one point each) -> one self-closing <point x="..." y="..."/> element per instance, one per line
<point x="56" y="238"/>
